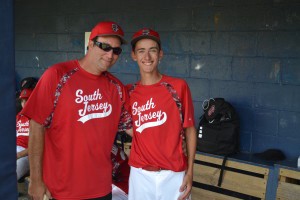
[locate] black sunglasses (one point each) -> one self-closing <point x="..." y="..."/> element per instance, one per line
<point x="106" y="47"/>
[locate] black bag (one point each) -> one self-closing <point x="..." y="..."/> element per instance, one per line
<point x="218" y="130"/>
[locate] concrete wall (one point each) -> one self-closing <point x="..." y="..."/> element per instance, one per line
<point x="245" y="51"/>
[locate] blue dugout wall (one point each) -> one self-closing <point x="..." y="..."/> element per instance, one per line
<point x="245" y="51"/>
<point x="8" y="179"/>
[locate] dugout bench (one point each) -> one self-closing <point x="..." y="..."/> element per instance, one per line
<point x="241" y="179"/>
<point x="245" y="177"/>
<point x="288" y="187"/>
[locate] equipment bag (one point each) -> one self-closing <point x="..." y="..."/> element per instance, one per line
<point x="218" y="130"/>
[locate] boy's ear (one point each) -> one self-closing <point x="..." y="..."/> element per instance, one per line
<point x="161" y="54"/>
<point x="133" y="56"/>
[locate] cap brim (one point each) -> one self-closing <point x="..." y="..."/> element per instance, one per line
<point x="135" y="40"/>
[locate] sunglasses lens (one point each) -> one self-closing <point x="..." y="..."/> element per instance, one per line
<point x="107" y="48"/>
<point x="117" y="50"/>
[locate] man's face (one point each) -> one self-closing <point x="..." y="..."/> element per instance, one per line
<point x="147" y="54"/>
<point x="102" y="58"/>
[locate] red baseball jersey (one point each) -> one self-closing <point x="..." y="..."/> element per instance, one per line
<point x="157" y="124"/>
<point x="22" y="130"/>
<point x="81" y="113"/>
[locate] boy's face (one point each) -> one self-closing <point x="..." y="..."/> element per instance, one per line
<point x="147" y="54"/>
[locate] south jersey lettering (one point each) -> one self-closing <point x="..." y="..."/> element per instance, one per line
<point x="91" y="106"/>
<point x="145" y="120"/>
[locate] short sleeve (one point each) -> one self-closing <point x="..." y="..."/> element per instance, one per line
<point x="187" y="106"/>
<point x="40" y="104"/>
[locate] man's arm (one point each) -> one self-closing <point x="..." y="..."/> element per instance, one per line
<point x="186" y="187"/>
<point x="37" y="188"/>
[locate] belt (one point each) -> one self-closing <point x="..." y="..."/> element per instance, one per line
<point x="152" y="169"/>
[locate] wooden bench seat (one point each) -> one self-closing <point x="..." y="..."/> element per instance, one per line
<point x="288" y="185"/>
<point x="240" y="180"/>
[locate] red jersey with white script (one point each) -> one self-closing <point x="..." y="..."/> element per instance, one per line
<point x="22" y="130"/>
<point x="157" y="124"/>
<point x="81" y="113"/>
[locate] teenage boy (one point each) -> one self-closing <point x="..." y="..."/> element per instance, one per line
<point x="162" y="112"/>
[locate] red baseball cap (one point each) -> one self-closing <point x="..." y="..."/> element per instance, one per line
<point x="145" y="33"/>
<point x="25" y="93"/>
<point x="108" y="28"/>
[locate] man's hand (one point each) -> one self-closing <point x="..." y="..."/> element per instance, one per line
<point x="38" y="190"/>
<point x="186" y="187"/>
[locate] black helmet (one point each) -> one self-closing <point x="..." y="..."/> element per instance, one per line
<point x="28" y="83"/>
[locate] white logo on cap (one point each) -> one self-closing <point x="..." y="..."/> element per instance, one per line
<point x="115" y="27"/>
<point x="145" y="32"/>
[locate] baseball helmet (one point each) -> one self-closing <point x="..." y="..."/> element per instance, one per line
<point x="28" y="83"/>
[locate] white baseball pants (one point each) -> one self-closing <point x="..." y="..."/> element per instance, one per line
<point x="152" y="185"/>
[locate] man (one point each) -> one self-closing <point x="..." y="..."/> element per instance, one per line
<point x="76" y="111"/>
<point x="162" y="114"/>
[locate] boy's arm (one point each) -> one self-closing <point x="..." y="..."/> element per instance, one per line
<point x="186" y="187"/>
